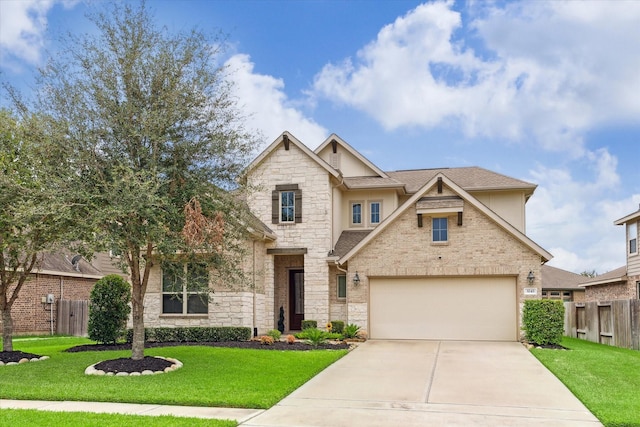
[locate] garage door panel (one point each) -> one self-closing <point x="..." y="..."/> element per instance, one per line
<point x="446" y="308"/>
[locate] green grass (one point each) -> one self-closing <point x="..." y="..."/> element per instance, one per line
<point x="211" y="376"/>
<point x="605" y="378"/>
<point x="33" y="418"/>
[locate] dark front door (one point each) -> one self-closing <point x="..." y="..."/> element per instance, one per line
<point x="296" y="299"/>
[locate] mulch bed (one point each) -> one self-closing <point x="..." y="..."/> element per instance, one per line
<point x="16" y="356"/>
<point x="148" y="363"/>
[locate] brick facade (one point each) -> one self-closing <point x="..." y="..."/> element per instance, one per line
<point x="31" y="316"/>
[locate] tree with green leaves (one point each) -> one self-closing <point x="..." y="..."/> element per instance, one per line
<point x="156" y="142"/>
<point x="37" y="212"/>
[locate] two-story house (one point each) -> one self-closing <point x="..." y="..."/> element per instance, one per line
<point x="623" y="282"/>
<point x="416" y="254"/>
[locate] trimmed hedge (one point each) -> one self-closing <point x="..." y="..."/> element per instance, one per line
<point x="194" y="334"/>
<point x="337" y="326"/>
<point x="307" y="324"/>
<point x="543" y="321"/>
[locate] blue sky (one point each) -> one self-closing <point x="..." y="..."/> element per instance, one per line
<point x="548" y="92"/>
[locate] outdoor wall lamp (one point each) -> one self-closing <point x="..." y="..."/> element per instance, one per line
<point x="531" y="278"/>
<point x="356" y="279"/>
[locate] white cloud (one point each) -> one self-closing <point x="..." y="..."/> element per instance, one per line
<point x="553" y="70"/>
<point x="23" y="24"/>
<point x="269" y="110"/>
<point x="573" y="217"/>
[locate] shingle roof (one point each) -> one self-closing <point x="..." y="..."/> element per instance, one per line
<point x="556" y="278"/>
<point x="612" y="276"/>
<point x="60" y="264"/>
<point x="471" y="178"/>
<point x="349" y="239"/>
<point x="372" y="182"/>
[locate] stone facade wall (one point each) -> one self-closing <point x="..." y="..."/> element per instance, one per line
<point x="479" y="247"/>
<point x="313" y="233"/>
<point x="30" y="315"/>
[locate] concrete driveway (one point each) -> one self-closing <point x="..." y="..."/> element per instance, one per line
<point x="431" y="383"/>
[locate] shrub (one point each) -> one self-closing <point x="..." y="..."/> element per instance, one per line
<point x="543" y="321"/>
<point x="306" y="324"/>
<point x="291" y="339"/>
<point x="109" y="309"/>
<point x="195" y="334"/>
<point x="266" y="340"/>
<point x="351" y="331"/>
<point x="337" y="326"/>
<point x="275" y="334"/>
<point x="315" y="336"/>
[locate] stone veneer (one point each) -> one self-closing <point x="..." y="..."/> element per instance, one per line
<point x="313" y="233"/>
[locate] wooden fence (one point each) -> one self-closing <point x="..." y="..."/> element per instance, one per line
<point x="614" y="323"/>
<point x="73" y="318"/>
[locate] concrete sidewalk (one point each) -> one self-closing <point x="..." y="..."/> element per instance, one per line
<point x="238" y="414"/>
<point x="431" y="383"/>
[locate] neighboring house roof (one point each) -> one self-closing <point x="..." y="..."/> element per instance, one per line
<point x="471" y="178"/>
<point x="628" y="218"/>
<point x="353" y="151"/>
<point x="60" y="264"/>
<point x="619" y="275"/>
<point x="288" y="138"/>
<point x="348" y="239"/>
<point x="468" y="198"/>
<point x="556" y="278"/>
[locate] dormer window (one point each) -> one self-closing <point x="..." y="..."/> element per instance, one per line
<point x="374" y="213"/>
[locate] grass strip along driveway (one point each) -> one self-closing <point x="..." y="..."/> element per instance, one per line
<point x="33" y="418"/>
<point x="211" y="376"/>
<point x="605" y="378"/>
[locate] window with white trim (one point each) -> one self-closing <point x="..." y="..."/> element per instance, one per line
<point x="632" y="236"/>
<point x="185" y="288"/>
<point x="356" y="213"/>
<point x="375" y="212"/>
<point x="341" y="286"/>
<point x="439" y="230"/>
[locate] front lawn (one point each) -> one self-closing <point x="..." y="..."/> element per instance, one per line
<point x="605" y="378"/>
<point x="211" y="376"/>
<point x="34" y="418"/>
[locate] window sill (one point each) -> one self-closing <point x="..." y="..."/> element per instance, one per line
<point x="439" y="243"/>
<point x="184" y="316"/>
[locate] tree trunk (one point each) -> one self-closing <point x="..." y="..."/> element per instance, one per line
<point x="7" y="330"/>
<point x="137" y="305"/>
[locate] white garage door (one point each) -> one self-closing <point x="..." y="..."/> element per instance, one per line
<point x="479" y="308"/>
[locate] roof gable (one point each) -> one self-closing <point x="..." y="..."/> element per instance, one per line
<point x="286" y="139"/>
<point x="629" y="218"/>
<point x="335" y="140"/>
<point x="467" y="198"/>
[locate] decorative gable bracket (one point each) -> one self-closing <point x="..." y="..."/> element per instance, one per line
<point x="432" y="206"/>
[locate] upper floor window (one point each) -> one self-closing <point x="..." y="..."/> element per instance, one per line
<point x="439" y="229"/>
<point x="632" y="235"/>
<point x="286" y="204"/>
<point x="356" y="213"/>
<point x="185" y="288"/>
<point x="374" y="212"/>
